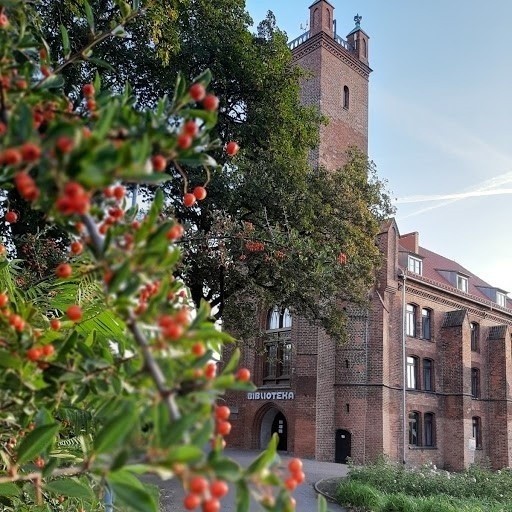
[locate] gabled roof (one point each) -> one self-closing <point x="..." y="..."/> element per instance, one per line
<point x="433" y="263"/>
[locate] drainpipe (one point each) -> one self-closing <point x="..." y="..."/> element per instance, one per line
<point x="404" y="374"/>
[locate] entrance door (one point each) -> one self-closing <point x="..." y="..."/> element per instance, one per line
<point x="343" y="446"/>
<point x="279" y="427"/>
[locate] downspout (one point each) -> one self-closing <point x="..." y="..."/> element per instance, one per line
<point x="404" y="375"/>
<point x="367" y="382"/>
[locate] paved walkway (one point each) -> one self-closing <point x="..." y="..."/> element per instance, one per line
<point x="172" y="494"/>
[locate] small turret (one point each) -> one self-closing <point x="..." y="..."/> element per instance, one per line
<point x="321" y="16"/>
<point x="358" y="39"/>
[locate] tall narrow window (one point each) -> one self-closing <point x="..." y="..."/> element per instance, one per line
<point x="501" y="299"/>
<point x="475" y="336"/>
<point x="429" y="426"/>
<point x="414" y="425"/>
<point x="410" y="320"/>
<point x="477" y="431"/>
<point x="462" y="283"/>
<point x="412" y="372"/>
<point x="428" y="375"/>
<point x="475" y="382"/>
<point x="426" y="324"/>
<point x="414" y="265"/>
<point x="346" y="97"/>
<point x="278" y="349"/>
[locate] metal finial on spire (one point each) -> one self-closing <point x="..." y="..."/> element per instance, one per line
<point x="358" y="19"/>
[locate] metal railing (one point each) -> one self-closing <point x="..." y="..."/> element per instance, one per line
<point x="304" y="37"/>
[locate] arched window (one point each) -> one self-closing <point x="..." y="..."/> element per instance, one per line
<point x="412" y="373"/>
<point x="346" y="97"/>
<point x="328" y="17"/>
<point x="475" y="382"/>
<point x="477" y="431"/>
<point x="316" y="17"/>
<point x="410" y="319"/>
<point x="428" y="375"/>
<point x="429" y="429"/>
<point x="278" y="347"/>
<point x="414" y="428"/>
<point x="364" y="47"/>
<point x="475" y="336"/>
<point x="426" y="324"/>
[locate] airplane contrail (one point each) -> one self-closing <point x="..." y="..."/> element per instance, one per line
<point x="460" y="195"/>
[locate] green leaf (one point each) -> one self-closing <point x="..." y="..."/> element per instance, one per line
<point x="89" y="15"/>
<point x="130" y="491"/>
<point x="232" y="363"/>
<point x="265" y="459"/>
<point x="9" y="489"/>
<point x="70" y="487"/>
<point x="322" y="504"/>
<point x="185" y="453"/>
<point x="101" y="63"/>
<point x="52" y="82"/>
<point x="65" y="41"/>
<point x="226" y="469"/>
<point x="242" y="497"/>
<point x="115" y="430"/>
<point x="36" y="442"/>
<point x="7" y="360"/>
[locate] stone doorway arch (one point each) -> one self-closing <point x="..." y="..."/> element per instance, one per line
<point x="269" y="420"/>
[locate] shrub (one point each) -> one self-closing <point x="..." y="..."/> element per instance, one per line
<point x="358" y="494"/>
<point x="399" y="503"/>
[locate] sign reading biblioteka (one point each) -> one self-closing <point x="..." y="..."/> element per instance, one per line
<point x="271" y="395"/>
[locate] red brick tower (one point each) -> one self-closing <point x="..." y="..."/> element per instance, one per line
<point x="338" y="84"/>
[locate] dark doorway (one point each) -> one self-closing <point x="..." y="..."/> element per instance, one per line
<point x="279" y="427"/>
<point x="343" y="446"/>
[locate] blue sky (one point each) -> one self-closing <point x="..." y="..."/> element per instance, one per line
<point x="440" y="118"/>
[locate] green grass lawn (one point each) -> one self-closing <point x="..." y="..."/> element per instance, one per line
<point x="388" y="487"/>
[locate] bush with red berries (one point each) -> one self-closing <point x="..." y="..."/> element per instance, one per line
<point x="107" y="372"/>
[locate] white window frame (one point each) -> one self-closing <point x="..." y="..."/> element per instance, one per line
<point x="501" y="299"/>
<point x="415" y="265"/>
<point x="462" y="283"/>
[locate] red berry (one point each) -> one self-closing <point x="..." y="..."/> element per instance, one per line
<point x="191" y="128"/>
<point x="295" y="465"/>
<point x="64" y="270"/>
<point x="48" y="350"/>
<point x="223" y="427"/>
<point x="222" y="412"/>
<point x="17" y="322"/>
<point x="197" y="92"/>
<point x="65" y="144"/>
<point x="55" y="324"/>
<point x="191" y="501"/>
<point x="175" y="232"/>
<point x="4" y="300"/>
<point x="88" y="90"/>
<point x="11" y="217"/>
<point x="74" y="313"/>
<point x="119" y="192"/>
<point x="34" y="353"/>
<point x="76" y="247"/>
<point x="211" y="103"/>
<point x="159" y="163"/>
<point x="232" y="148"/>
<point x="11" y="156"/>
<point x="290" y="483"/>
<point x="184" y="141"/>
<point x="299" y="476"/>
<point x="30" y="152"/>
<point x="219" y="489"/>
<point x="4" y="20"/>
<point x="243" y="375"/>
<point x="210" y="370"/>
<point x="198" y="349"/>
<point x="173" y="331"/>
<point x="198" y="484"/>
<point x="199" y="193"/>
<point x="189" y="199"/>
<point x="211" y="505"/>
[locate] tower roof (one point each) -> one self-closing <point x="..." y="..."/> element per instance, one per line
<point x="357" y="28"/>
<point x="318" y="1"/>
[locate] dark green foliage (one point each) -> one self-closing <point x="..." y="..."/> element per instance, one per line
<point x="358" y="494"/>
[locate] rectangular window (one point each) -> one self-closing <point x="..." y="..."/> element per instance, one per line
<point x="475" y="382"/>
<point x="278" y="360"/>
<point x="462" y="283"/>
<point x="412" y="373"/>
<point x="428" y="421"/>
<point x="477" y="431"/>
<point x="475" y="335"/>
<point x="414" y="265"/>
<point x="426" y="321"/>
<point x="428" y="375"/>
<point x="501" y="299"/>
<point x="410" y="320"/>
<point x="414" y="420"/>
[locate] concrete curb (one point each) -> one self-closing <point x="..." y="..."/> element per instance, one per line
<point x="317" y="486"/>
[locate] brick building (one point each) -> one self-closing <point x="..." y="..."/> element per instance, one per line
<point x="426" y="373"/>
